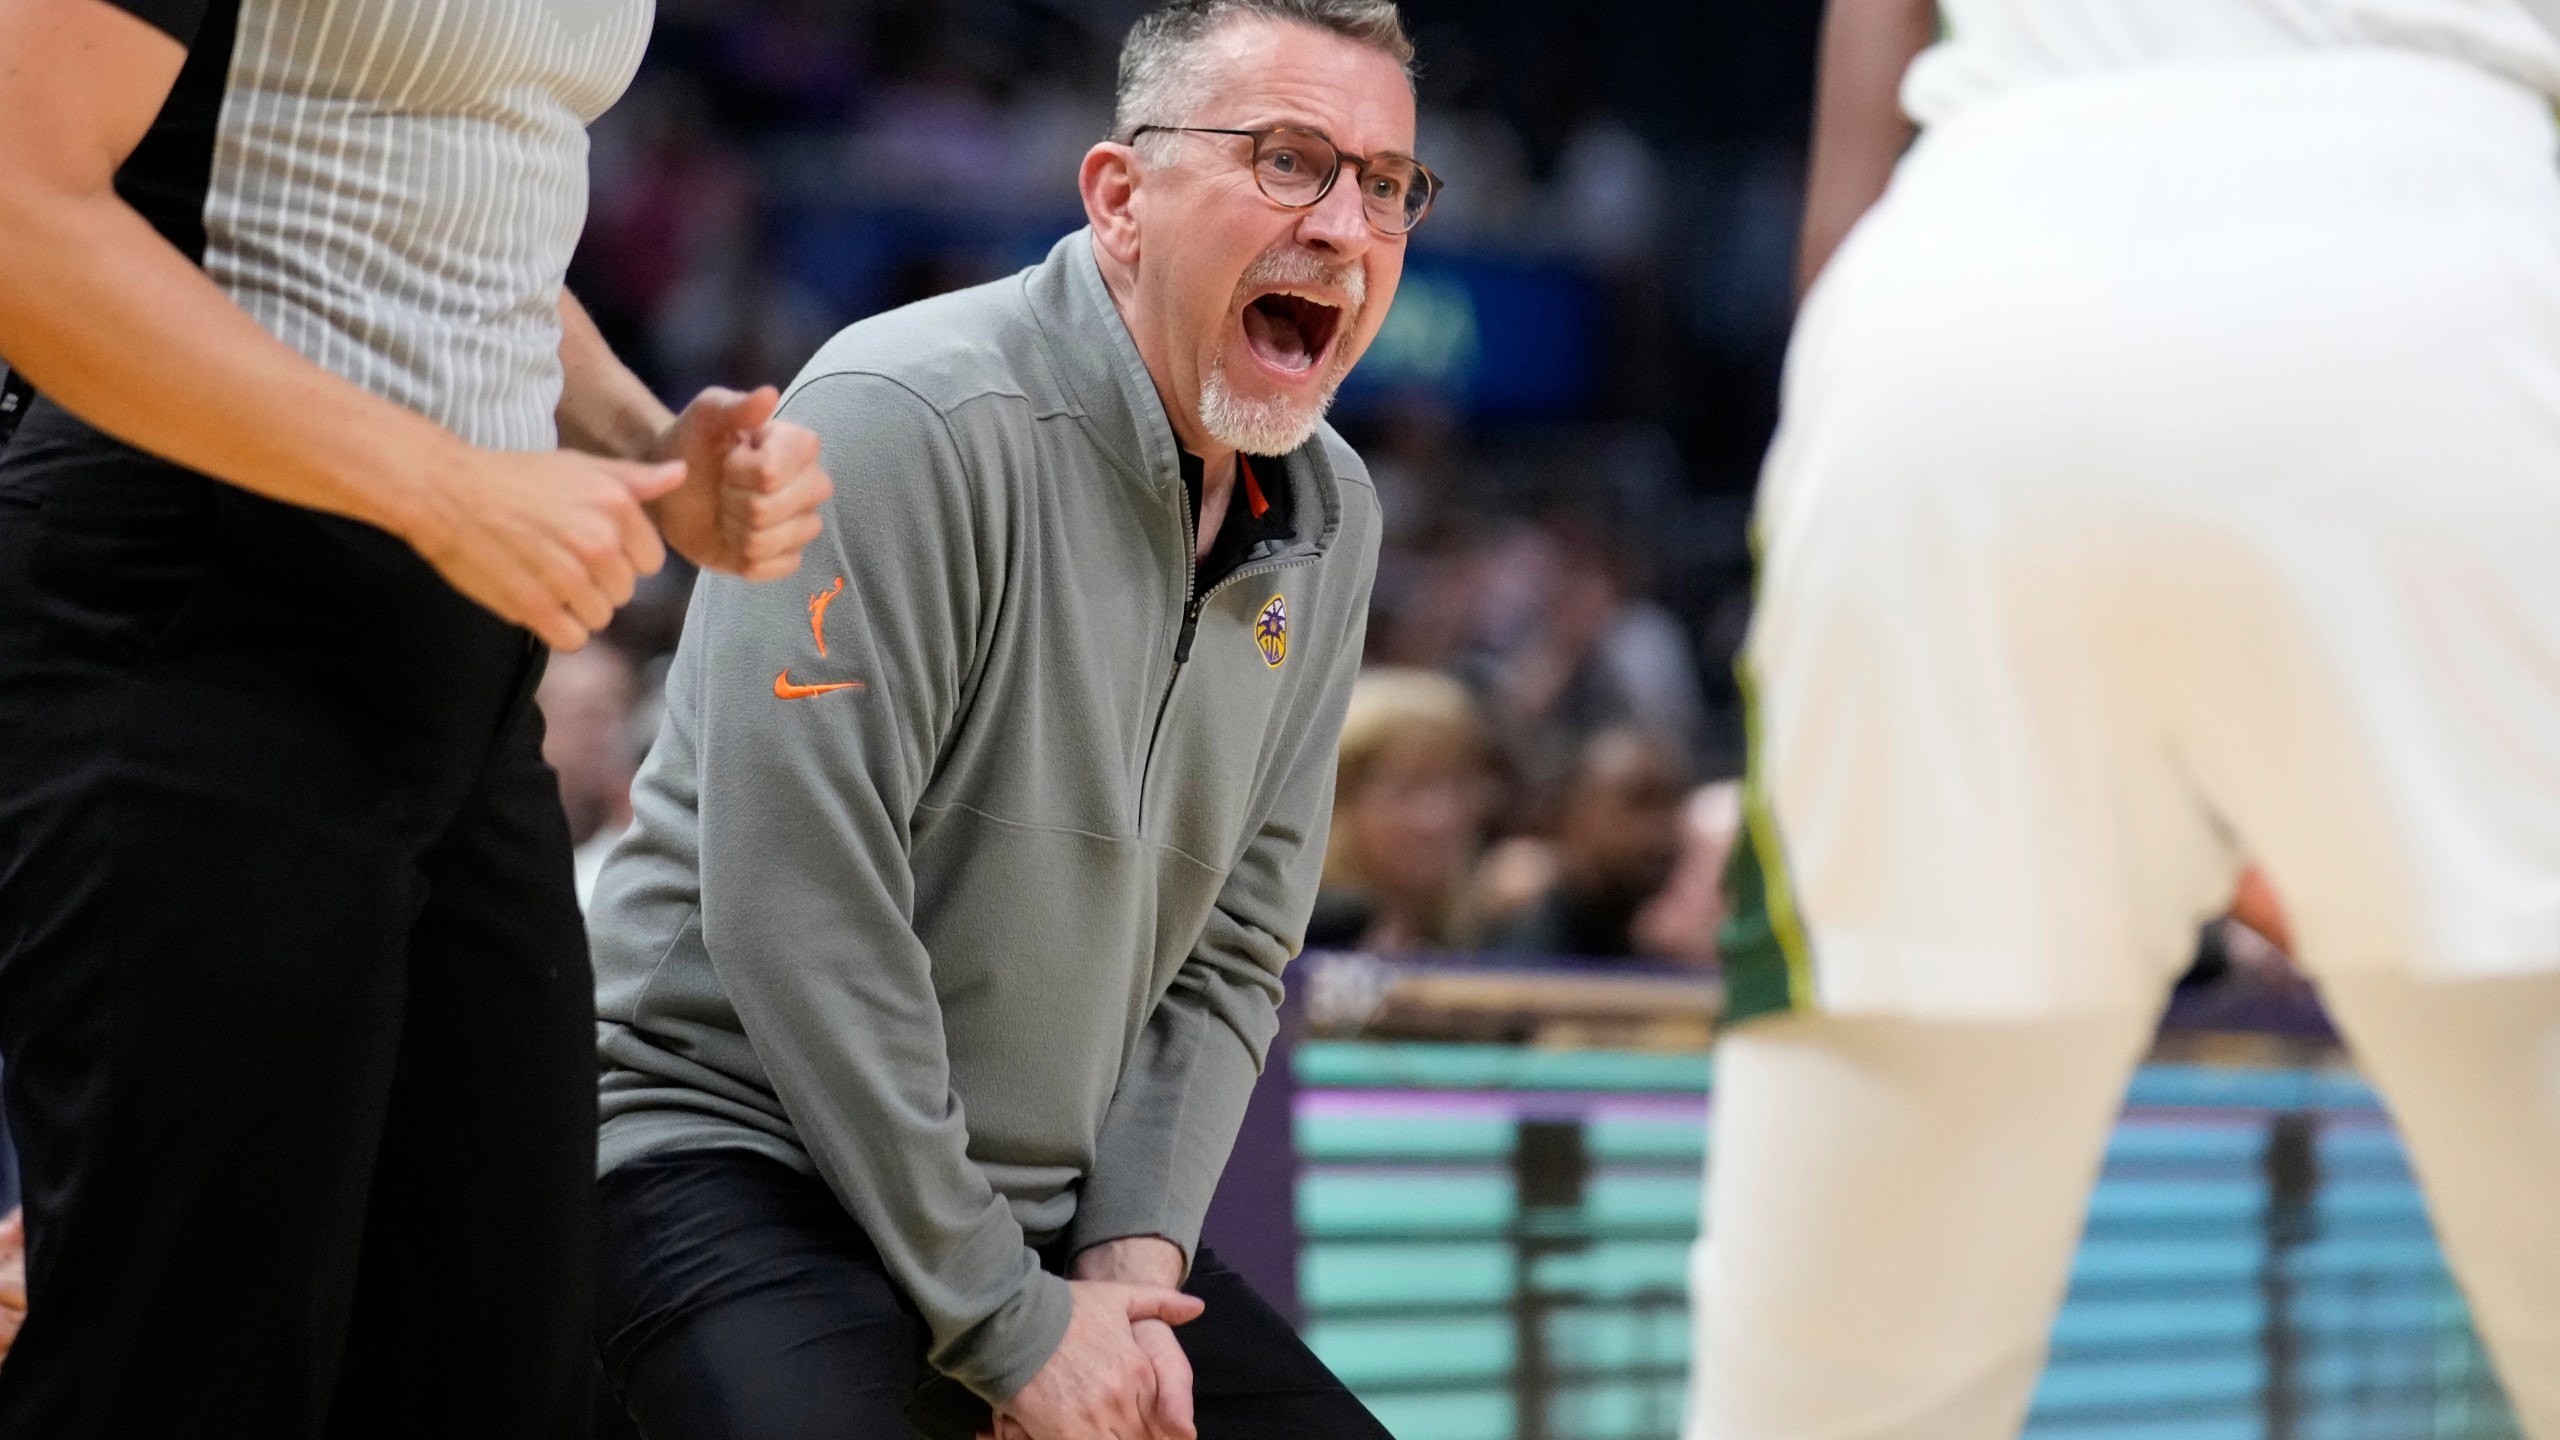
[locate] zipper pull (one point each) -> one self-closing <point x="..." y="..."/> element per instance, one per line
<point x="1190" y="627"/>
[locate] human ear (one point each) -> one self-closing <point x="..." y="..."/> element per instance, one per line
<point x="1109" y="182"/>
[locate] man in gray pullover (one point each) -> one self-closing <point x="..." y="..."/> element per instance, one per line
<point x="946" y="945"/>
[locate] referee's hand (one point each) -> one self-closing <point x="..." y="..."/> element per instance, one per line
<point x="752" y="485"/>
<point x="552" y="540"/>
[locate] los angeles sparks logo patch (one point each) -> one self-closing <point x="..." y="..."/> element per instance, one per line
<point x="1271" y="631"/>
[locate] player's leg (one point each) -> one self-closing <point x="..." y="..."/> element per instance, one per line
<point x="475" y="1299"/>
<point x="2371" y="651"/>
<point x="739" y="1301"/>
<point x="1891" y="1213"/>
<point x="2471" y="1071"/>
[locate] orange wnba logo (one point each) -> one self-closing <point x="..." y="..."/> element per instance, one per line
<point x="1271" y="630"/>
<point x="818" y="604"/>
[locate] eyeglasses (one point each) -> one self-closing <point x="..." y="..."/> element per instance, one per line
<point x="1297" y="167"/>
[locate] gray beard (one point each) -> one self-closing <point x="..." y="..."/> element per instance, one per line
<point x="1258" y="427"/>
<point x="1277" y="426"/>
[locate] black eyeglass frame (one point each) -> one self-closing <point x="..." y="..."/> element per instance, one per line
<point x="1432" y="184"/>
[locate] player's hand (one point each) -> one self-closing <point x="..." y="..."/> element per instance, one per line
<point x="752" y="485"/>
<point x="13" y="1278"/>
<point x="2255" y="905"/>
<point x="552" y="541"/>
<point x="1100" y="1384"/>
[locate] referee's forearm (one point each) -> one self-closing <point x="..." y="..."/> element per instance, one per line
<point x="604" y="409"/>
<point x="117" y="325"/>
<point x="110" y="321"/>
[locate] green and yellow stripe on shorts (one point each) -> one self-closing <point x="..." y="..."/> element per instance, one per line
<point x="1768" y="962"/>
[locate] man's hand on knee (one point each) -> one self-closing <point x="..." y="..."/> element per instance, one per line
<point x="1149" y="1260"/>
<point x="1171" y="1417"/>
<point x="1103" y="1382"/>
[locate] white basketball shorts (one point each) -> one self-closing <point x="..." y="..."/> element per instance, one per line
<point x="2168" y="479"/>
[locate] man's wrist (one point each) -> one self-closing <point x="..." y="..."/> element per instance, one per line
<point x="1132" y="1260"/>
<point x="1009" y="1348"/>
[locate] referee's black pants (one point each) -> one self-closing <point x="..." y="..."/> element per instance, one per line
<point x="294" y="996"/>
<point x="741" y="1302"/>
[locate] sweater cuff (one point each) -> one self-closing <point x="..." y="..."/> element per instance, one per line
<point x="1000" y="1354"/>
<point x="1124" y="1214"/>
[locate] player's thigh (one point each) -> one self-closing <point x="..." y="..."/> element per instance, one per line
<point x="2372" y="704"/>
<point x="737" y="1299"/>
<point x="1891" y="1212"/>
<point x="2366" y="609"/>
<point x="1960" y="804"/>
<point x="2471" y="1072"/>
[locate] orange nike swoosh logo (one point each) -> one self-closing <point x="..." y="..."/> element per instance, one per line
<point x="783" y="687"/>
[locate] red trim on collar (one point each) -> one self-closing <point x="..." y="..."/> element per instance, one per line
<point x="1253" y="496"/>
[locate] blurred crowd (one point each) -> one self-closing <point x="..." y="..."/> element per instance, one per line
<point x="1439" y="845"/>
<point x="782" y="167"/>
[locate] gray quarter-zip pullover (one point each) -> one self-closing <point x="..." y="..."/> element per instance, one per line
<point x="993" y="942"/>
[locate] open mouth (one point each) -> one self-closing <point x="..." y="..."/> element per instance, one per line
<point x="1290" y="332"/>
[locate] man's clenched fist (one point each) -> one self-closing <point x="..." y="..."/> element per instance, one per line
<point x="752" y="485"/>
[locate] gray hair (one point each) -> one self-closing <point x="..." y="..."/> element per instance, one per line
<point x="1162" y="82"/>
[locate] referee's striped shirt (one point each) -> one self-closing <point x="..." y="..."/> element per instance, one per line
<point x="392" y="187"/>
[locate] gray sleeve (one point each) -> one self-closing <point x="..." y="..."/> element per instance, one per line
<point x="807" y="893"/>
<point x="1182" y="1095"/>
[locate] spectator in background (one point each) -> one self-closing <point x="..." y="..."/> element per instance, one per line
<point x="586" y="698"/>
<point x="1617" y="839"/>
<point x="1413" y="789"/>
<point x="1563" y="647"/>
<point x="674" y="205"/>
<point x="1679" y="924"/>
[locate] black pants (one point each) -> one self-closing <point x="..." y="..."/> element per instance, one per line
<point x="293" y="990"/>
<point x="741" y="1302"/>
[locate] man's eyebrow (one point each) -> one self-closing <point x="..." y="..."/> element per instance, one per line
<point x="1287" y="122"/>
<point x="1314" y="129"/>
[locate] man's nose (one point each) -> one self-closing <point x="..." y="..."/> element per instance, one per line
<point x="1336" y="224"/>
